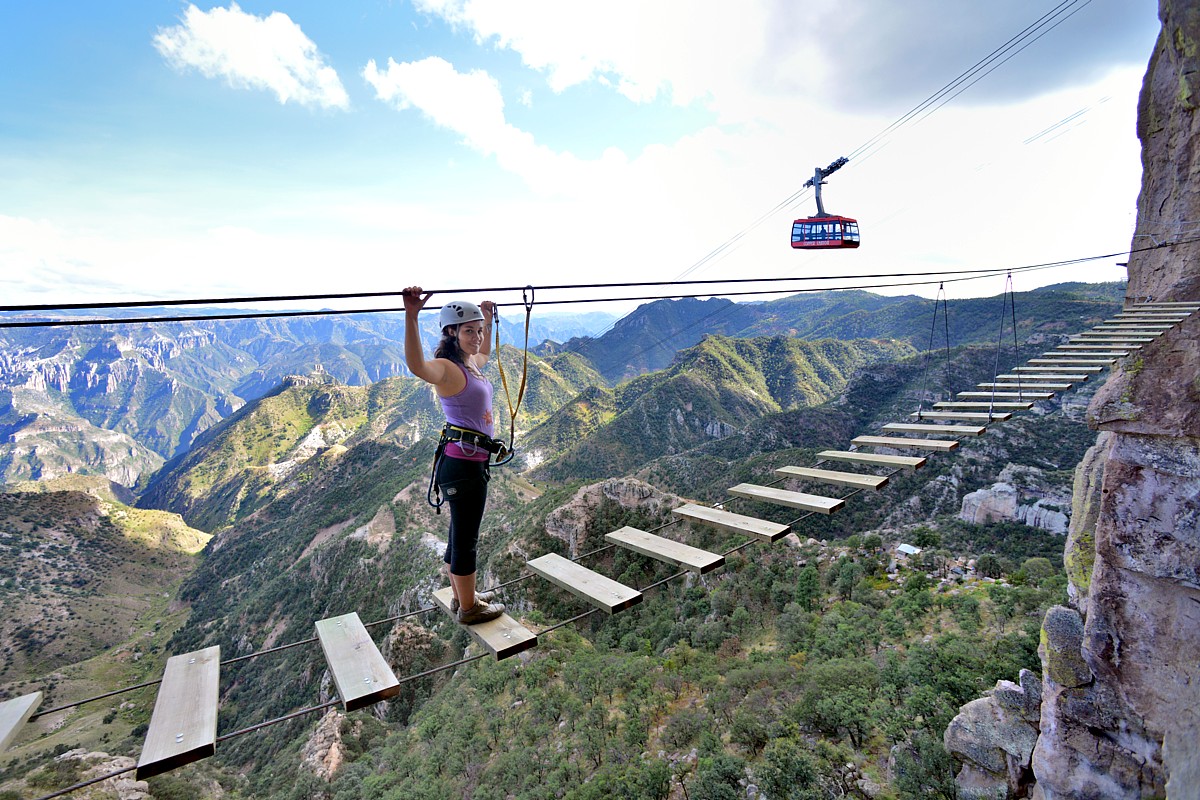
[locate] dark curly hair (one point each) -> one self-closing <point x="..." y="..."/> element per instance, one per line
<point x="447" y="346"/>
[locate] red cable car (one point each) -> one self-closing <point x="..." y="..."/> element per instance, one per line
<point x="827" y="231"/>
<point x="824" y="231"/>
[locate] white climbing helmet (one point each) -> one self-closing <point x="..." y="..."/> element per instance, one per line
<point x="456" y="312"/>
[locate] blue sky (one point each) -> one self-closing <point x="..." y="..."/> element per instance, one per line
<point x="165" y="149"/>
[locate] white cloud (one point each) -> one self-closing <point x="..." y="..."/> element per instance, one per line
<point x="740" y="59"/>
<point x="680" y="47"/>
<point x="471" y="105"/>
<point x="270" y="53"/>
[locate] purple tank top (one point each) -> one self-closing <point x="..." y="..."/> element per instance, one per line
<point x="470" y="408"/>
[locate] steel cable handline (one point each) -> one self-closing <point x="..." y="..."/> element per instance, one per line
<point x="486" y="289"/>
<point x="970" y="275"/>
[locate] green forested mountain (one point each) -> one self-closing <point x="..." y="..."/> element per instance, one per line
<point x="711" y="391"/>
<point x="648" y="338"/>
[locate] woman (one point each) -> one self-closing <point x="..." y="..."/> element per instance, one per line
<point x="466" y="397"/>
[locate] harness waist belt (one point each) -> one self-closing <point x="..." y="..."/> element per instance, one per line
<point x="453" y="433"/>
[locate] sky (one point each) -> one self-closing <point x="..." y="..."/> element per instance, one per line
<point x="167" y="150"/>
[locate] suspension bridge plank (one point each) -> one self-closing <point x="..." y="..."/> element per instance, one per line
<point x="898" y="442"/>
<point x="1065" y="376"/>
<point x="857" y="480"/>
<point x="586" y="584"/>
<point x="1146" y="316"/>
<point x="1095" y="349"/>
<point x="1026" y="384"/>
<point x="805" y="502"/>
<point x="1108" y="356"/>
<point x="1101" y="336"/>
<point x="1134" y="327"/>
<point x="360" y="672"/>
<point x="183" y="726"/>
<point x="502" y="637"/>
<point x="1071" y="363"/>
<point x="1020" y="395"/>
<point x="1050" y="368"/>
<point x="858" y="457"/>
<point x="966" y="416"/>
<point x="1172" y="306"/>
<point x="961" y="430"/>
<point x="1018" y="405"/>
<point x="13" y="716"/>
<point x="728" y="521"/>
<point x="690" y="558"/>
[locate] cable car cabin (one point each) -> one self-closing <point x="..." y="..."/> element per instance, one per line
<point x="822" y="232"/>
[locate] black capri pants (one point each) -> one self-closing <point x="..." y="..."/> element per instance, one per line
<point x="464" y="487"/>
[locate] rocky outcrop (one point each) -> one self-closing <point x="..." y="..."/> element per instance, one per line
<point x="1020" y="495"/>
<point x="994" y="737"/>
<point x="569" y="522"/>
<point x="324" y="752"/>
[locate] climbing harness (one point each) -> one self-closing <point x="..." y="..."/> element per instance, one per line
<point x="473" y="441"/>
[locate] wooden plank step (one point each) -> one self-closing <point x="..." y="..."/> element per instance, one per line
<point x="858" y="481"/>
<point x="1073" y="377"/>
<point x="1050" y="368"/>
<point x="728" y="521"/>
<point x="1157" y="305"/>
<point x="1147" y="316"/>
<point x="690" y="558"/>
<point x="1071" y="363"/>
<point x="1021" y="395"/>
<point x="1111" y="356"/>
<point x="586" y="584"/>
<point x="1109" y="338"/>
<point x="941" y="445"/>
<point x="1095" y="349"/>
<point x="360" y="673"/>
<point x="858" y="457"/>
<point x="966" y="416"/>
<point x="183" y="726"/>
<point x="13" y="716"/>
<point x="1106" y="343"/>
<point x="1020" y="406"/>
<point x="1060" y="387"/>
<point x="961" y="430"/>
<point x="502" y="637"/>
<point x="805" y="502"/>
<point x="1134" y="327"/>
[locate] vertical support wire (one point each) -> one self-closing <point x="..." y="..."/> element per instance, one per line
<point x="929" y="349"/>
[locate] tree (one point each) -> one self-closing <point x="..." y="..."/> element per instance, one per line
<point x="787" y="771"/>
<point x="717" y="778"/>
<point x="1037" y="569"/>
<point x="988" y="565"/>
<point x="808" y="587"/>
<point x="872" y="542"/>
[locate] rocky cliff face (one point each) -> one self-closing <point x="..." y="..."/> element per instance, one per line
<point x="1120" y="714"/>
